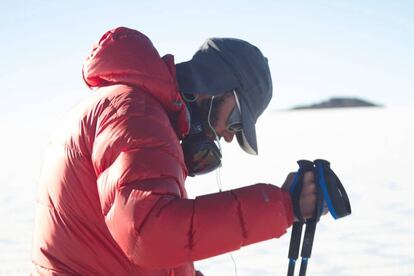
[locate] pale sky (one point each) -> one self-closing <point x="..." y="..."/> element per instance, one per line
<point x="317" y="49"/>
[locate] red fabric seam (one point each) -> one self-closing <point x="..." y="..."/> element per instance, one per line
<point x="240" y="215"/>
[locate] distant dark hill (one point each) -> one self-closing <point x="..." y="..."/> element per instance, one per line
<point x="338" y="103"/>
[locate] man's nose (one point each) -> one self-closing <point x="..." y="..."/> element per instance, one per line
<point x="228" y="136"/>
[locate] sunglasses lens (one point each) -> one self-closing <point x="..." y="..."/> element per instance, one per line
<point x="235" y="127"/>
<point x="234" y="122"/>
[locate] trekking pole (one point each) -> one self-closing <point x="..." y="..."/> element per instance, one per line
<point x="295" y="190"/>
<point x="311" y="228"/>
<point x="307" y="245"/>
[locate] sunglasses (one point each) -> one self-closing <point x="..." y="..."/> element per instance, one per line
<point x="234" y="122"/>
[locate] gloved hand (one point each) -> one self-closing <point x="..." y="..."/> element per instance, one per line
<point x="307" y="201"/>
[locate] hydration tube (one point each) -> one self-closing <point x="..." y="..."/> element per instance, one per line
<point x="329" y="191"/>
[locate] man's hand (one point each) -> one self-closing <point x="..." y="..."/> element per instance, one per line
<point x="307" y="200"/>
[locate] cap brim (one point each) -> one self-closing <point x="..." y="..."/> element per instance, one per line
<point x="247" y="137"/>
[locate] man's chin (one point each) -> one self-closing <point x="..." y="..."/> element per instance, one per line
<point x="208" y="132"/>
<point x="212" y="137"/>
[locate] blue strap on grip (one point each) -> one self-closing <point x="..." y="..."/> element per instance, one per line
<point x="333" y="191"/>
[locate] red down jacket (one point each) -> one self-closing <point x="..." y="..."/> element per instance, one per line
<point x="112" y="199"/>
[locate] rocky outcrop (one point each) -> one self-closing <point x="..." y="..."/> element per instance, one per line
<point x="338" y="103"/>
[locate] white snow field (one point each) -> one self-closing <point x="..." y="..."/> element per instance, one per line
<point x="371" y="150"/>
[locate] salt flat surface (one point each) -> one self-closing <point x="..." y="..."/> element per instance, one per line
<point x="370" y="149"/>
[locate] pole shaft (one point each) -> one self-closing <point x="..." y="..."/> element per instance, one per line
<point x="303" y="267"/>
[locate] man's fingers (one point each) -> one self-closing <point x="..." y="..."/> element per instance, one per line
<point x="308" y="201"/>
<point x="308" y="196"/>
<point x="309" y="185"/>
<point x="309" y="177"/>
<point x="308" y="205"/>
<point x="309" y="188"/>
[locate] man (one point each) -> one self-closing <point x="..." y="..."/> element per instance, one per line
<point x="112" y="199"/>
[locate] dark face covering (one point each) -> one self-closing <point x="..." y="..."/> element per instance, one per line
<point x="201" y="154"/>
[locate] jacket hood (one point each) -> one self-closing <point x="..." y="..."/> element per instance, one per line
<point x="126" y="56"/>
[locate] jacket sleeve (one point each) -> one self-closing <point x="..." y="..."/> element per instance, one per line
<point x="179" y="230"/>
<point x="147" y="213"/>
